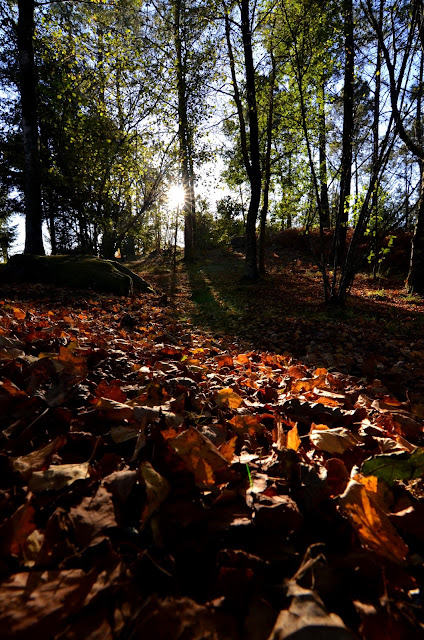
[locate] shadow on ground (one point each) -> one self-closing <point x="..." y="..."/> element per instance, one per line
<point x="377" y="335"/>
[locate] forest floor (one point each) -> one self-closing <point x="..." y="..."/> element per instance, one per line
<point x="378" y="334"/>
<point x="213" y="461"/>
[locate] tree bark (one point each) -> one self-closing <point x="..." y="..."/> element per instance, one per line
<point x="325" y="206"/>
<point x="415" y="280"/>
<point x="185" y="143"/>
<point x="267" y="167"/>
<point x="375" y="133"/>
<point x="28" y="96"/>
<point x="346" y="164"/>
<point x="255" y="174"/>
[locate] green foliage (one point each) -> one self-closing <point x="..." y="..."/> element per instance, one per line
<point x="229" y="219"/>
<point x="396" y="466"/>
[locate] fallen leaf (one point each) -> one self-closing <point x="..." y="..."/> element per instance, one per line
<point x="16" y="529"/>
<point x="75" y="362"/>
<point x="38" y="459"/>
<point x="396" y="466"/>
<point x="293" y="440"/>
<point x="111" y="391"/>
<point x="373" y="527"/>
<point x="307" y="618"/>
<point x="200" y="456"/>
<point x="224" y="361"/>
<point x="49" y="598"/>
<point x="227" y="449"/>
<point x="19" y="314"/>
<point x="227" y="398"/>
<point x="336" y="440"/>
<point x="157" y="490"/>
<point x="246" y="424"/>
<point x="113" y="410"/>
<point x="58" y="477"/>
<point x="93" y="517"/>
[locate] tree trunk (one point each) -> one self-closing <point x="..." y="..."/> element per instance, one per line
<point x="255" y="176"/>
<point x="415" y="280"/>
<point x="346" y="164"/>
<point x="325" y="206"/>
<point x="28" y="95"/>
<point x="375" y="133"/>
<point x="267" y="168"/>
<point x="185" y="142"/>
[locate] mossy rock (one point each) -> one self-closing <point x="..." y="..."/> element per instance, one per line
<point x="81" y="272"/>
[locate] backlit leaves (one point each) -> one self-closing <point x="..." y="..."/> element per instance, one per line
<point x="227" y="398"/>
<point x="373" y="527"/>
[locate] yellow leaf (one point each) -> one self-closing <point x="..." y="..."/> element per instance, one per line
<point x="228" y="398"/>
<point x="373" y="527"/>
<point x="19" y="314"/>
<point x="227" y="449"/>
<point x="242" y="359"/>
<point x="293" y="440"/>
<point x="199" y="455"/>
<point x="246" y="424"/>
<point x="75" y="362"/>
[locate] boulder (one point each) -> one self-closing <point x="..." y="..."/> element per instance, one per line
<point x="81" y="272"/>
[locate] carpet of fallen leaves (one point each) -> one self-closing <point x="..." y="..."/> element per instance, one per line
<point x="158" y="481"/>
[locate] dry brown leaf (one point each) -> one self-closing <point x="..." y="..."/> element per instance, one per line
<point x="157" y="490"/>
<point x="336" y="440"/>
<point x="92" y="517"/>
<point x="227" y="398"/>
<point x="75" y="362"/>
<point x="16" y="529"/>
<point x="307" y="618"/>
<point x="38" y="459"/>
<point x="246" y="424"/>
<point x="224" y="361"/>
<point x="49" y="598"/>
<point x="303" y="384"/>
<point x="297" y="371"/>
<point x="227" y="449"/>
<point x="113" y="410"/>
<point x="377" y="490"/>
<point x="373" y="527"/>
<point x="200" y="456"/>
<point x="242" y="359"/>
<point x="19" y="314"/>
<point x="58" y="477"/>
<point x="111" y="391"/>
